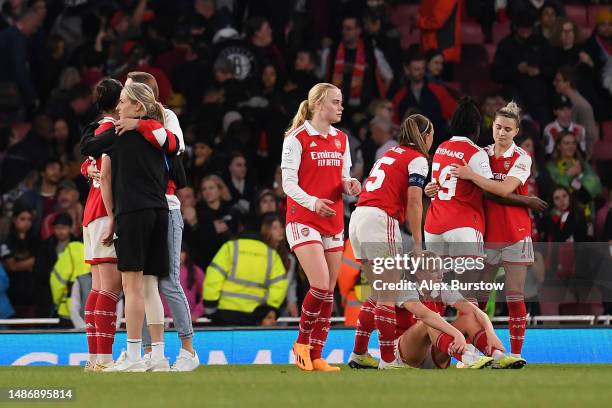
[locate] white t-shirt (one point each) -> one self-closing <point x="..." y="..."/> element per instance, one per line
<point x="173" y="125"/>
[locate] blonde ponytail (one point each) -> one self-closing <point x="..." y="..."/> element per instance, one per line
<point x="143" y="95"/>
<point x="412" y="135"/>
<point x="316" y="94"/>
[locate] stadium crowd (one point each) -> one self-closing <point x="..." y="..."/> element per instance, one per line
<point x="235" y="72"/>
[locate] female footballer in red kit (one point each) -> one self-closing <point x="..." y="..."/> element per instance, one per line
<point x="316" y="166"/>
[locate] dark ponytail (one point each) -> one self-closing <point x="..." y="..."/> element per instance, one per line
<point x="466" y="120"/>
<point x="106" y="94"/>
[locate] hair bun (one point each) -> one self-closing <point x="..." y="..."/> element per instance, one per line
<point x="512" y="107"/>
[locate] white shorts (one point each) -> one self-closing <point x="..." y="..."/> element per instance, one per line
<point x="300" y="234"/>
<point x="519" y="253"/>
<point x="374" y="234"/>
<point x="95" y="251"/>
<point x="463" y="241"/>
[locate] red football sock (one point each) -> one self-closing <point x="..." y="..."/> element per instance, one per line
<point x="385" y="324"/>
<point x="365" y="326"/>
<point x="517" y="320"/>
<point x="480" y="342"/>
<point x="311" y="306"/>
<point x="106" y="316"/>
<point x="90" y="322"/>
<point x="320" y="329"/>
<point x="443" y="342"/>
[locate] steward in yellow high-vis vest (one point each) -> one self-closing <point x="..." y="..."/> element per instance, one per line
<point x="70" y="265"/>
<point x="245" y="273"/>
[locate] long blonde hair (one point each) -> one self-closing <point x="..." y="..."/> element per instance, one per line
<point x="143" y="94"/>
<point x="412" y="133"/>
<point x="224" y="193"/>
<point x="316" y="94"/>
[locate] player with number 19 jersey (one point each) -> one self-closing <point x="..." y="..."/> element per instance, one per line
<point x="458" y="205"/>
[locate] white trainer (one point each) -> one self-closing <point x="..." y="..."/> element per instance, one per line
<point x="393" y="365"/>
<point x="185" y="361"/>
<point x="127" y="366"/>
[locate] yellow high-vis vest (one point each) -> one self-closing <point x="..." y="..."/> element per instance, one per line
<point x="70" y="265"/>
<point x="244" y="274"/>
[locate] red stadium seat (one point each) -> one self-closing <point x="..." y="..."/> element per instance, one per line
<point x="577" y="14"/>
<point x="471" y="33"/>
<point x="500" y="31"/>
<point x="404" y="18"/>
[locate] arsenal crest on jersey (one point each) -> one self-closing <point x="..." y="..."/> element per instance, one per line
<point x="305" y="231"/>
<point x="507" y="164"/>
<point x="337" y="143"/>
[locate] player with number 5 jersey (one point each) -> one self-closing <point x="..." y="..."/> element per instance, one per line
<point x="393" y="190"/>
<point x="456" y="213"/>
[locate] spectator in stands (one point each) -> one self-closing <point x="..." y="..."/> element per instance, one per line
<point x="300" y="79"/>
<point x="139" y="59"/>
<point x="15" y="76"/>
<point x="216" y="221"/>
<point x="259" y="34"/>
<point x="562" y="108"/>
<point x="355" y="66"/>
<point x="46" y="256"/>
<point x="81" y="109"/>
<point x="240" y="186"/>
<point x="192" y="281"/>
<point x="582" y="112"/>
<point x="244" y="274"/>
<point x="522" y="63"/>
<point x="491" y="103"/>
<point x="568" y="169"/>
<point x="18" y="256"/>
<point x="266" y="203"/>
<point x="599" y="48"/>
<point x="440" y="24"/>
<point x="431" y="100"/>
<point x="383" y="36"/>
<point x="434" y="64"/>
<point x="205" y="159"/>
<point x="43" y="197"/>
<point x="547" y="19"/>
<point x="62" y="141"/>
<point x="382" y="136"/>
<point x="67" y="203"/>
<point x="564" y="225"/>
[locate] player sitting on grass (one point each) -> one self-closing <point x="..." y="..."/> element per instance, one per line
<point x="423" y="346"/>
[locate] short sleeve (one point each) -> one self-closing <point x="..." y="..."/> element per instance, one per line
<point x="418" y="168"/>
<point x="521" y="168"/>
<point x="479" y="162"/>
<point x="450" y="297"/>
<point x="292" y="153"/>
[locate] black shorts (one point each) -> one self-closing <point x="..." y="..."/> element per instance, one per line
<point x="142" y="242"/>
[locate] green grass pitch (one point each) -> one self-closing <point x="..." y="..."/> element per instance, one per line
<point x="285" y="386"/>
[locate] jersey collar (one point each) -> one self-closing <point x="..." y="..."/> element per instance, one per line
<point x="314" y="132"/>
<point x="508" y="153"/>
<point x="461" y="139"/>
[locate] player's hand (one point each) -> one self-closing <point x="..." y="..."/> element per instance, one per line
<point x="322" y="207"/>
<point x="493" y="342"/>
<point x="463" y="172"/>
<point x="458" y="344"/>
<point x="110" y="233"/>
<point x="92" y="172"/>
<point x="431" y="189"/>
<point x="352" y="186"/>
<point x="124" y="125"/>
<point x="536" y="204"/>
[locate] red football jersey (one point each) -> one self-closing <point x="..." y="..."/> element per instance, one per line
<point x="385" y="187"/>
<point x="94" y="206"/>
<point x="459" y="203"/>
<point x="319" y="161"/>
<point x="405" y="319"/>
<point x="507" y="224"/>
